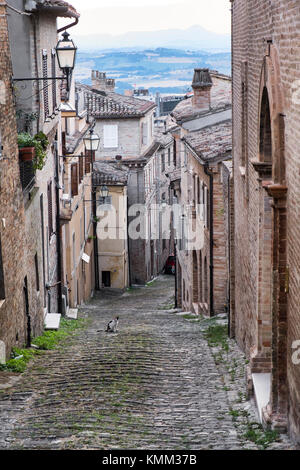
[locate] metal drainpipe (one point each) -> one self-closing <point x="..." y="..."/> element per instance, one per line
<point x="229" y="254"/>
<point x="69" y="26"/>
<point x="211" y="238"/>
<point x="96" y="257"/>
<point x="58" y="234"/>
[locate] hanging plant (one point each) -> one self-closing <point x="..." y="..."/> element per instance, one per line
<point x="39" y="142"/>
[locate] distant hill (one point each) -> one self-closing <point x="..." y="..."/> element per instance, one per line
<point x="159" y="69"/>
<point x="194" y="37"/>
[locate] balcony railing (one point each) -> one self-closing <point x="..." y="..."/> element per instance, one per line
<point x="27" y="175"/>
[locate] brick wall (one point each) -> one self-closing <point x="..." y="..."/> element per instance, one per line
<point x="266" y="38"/>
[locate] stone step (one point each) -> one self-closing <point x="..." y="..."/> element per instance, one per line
<point x="72" y="313"/>
<point x="52" y="321"/>
<point x="262" y="388"/>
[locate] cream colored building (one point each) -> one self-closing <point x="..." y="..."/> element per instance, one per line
<point x="112" y="238"/>
<point x="76" y="211"/>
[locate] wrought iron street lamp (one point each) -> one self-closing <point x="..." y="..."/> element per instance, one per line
<point x="91" y="141"/>
<point x="104" y="191"/>
<point x="66" y="55"/>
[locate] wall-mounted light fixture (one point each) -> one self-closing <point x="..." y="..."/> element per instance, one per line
<point x="66" y="55"/>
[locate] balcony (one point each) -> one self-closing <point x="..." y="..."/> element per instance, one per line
<point x="27" y="175"/>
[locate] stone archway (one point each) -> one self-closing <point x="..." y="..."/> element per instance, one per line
<point x="272" y="345"/>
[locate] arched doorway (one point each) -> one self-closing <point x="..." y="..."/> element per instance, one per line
<point x="271" y="338"/>
<point x="195" y="277"/>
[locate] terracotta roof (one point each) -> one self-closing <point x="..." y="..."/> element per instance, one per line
<point x="211" y="142"/>
<point x="74" y="140"/>
<point x="111" y="105"/>
<point x="220" y="97"/>
<point x="109" y="173"/>
<point x="60" y="7"/>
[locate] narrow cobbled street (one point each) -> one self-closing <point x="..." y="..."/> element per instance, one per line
<point x="153" y="385"/>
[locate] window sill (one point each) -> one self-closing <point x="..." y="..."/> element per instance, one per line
<point x="2" y="302"/>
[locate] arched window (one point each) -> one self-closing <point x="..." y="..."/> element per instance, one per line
<point x="205" y="281"/>
<point x="265" y="142"/>
<point x="195" y="277"/>
<point x="200" y="277"/>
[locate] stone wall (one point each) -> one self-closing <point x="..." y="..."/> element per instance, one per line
<point x="12" y="221"/>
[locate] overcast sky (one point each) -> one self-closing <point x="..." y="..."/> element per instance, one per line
<point x="120" y="16"/>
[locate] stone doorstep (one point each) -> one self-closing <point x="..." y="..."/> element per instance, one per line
<point x="72" y="313"/>
<point x="262" y="389"/>
<point x="52" y="321"/>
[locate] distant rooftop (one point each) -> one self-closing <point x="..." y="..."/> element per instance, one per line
<point x="111" y="105"/>
<point x="211" y="142"/>
<point x="220" y="97"/>
<point x="110" y="173"/>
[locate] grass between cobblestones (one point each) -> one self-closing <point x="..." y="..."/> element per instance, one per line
<point x="233" y="367"/>
<point x="49" y="340"/>
<point x="251" y="433"/>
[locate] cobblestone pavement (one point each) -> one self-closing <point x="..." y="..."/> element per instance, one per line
<point x="152" y="385"/>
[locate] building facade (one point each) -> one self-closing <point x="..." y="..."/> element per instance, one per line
<point x="201" y="128"/>
<point x="266" y="167"/>
<point x="13" y="315"/>
<point x="112" y="224"/>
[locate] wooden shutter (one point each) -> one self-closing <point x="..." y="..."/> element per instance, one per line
<point x="74" y="179"/>
<point x="110" y="136"/>
<point x="50" y="211"/>
<point x="145" y="133"/>
<point x="80" y="168"/>
<point x="205" y="205"/>
<point x="88" y="161"/>
<point x="53" y="70"/>
<point x="45" y="84"/>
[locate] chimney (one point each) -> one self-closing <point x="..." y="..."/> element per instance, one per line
<point x="101" y="83"/>
<point x="201" y="85"/>
<point x="119" y="161"/>
<point x="110" y="84"/>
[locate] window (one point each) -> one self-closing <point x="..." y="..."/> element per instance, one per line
<point x="174" y="153"/>
<point x="163" y="165"/>
<point x="106" y="282"/>
<point x="144" y="133"/>
<point x="74" y="251"/>
<point x="2" y="287"/>
<point x="169" y="156"/>
<point x="50" y="211"/>
<point x="37" y="279"/>
<point x="74" y="179"/>
<point x="88" y="162"/>
<point x="110" y="136"/>
<point x="80" y="159"/>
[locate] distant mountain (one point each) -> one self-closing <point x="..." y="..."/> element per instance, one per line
<point x="194" y="37"/>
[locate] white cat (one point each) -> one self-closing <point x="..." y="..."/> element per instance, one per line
<point x="112" y="326"/>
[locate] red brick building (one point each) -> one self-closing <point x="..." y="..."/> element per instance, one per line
<point x="202" y="130"/>
<point x="265" y="297"/>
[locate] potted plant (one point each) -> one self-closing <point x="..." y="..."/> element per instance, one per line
<point x="33" y="148"/>
<point x="26" y="147"/>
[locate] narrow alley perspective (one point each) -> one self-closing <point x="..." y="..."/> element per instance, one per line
<point x="162" y="381"/>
